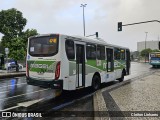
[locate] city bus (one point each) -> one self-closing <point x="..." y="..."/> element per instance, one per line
<point x="72" y="62"/>
<point x="154" y="59"/>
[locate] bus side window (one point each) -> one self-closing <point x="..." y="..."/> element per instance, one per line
<point x="116" y="54"/>
<point x="122" y="54"/>
<point x="70" y="49"/>
<point x="91" y="51"/>
<point x="100" y="52"/>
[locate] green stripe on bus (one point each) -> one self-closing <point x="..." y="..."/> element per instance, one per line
<point x="95" y="66"/>
<point x="42" y="66"/>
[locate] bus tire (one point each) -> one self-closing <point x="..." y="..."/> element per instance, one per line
<point x="122" y="77"/>
<point x="96" y="82"/>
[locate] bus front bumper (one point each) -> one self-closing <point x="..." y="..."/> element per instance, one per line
<point x="154" y="63"/>
<point x="54" y="84"/>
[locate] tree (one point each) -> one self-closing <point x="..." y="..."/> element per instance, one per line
<point x="17" y="49"/>
<point x="146" y="52"/>
<point x="155" y="50"/>
<point x="12" y="24"/>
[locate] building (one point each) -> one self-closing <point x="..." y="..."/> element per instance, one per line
<point x="149" y="44"/>
<point x="135" y="55"/>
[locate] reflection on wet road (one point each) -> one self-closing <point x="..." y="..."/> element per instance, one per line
<point x="139" y="69"/>
<point x="14" y="91"/>
<point x="15" y="94"/>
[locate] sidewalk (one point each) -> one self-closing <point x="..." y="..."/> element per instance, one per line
<point x="135" y="99"/>
<point x="13" y="73"/>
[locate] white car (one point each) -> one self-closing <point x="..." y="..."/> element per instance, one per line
<point x="13" y="67"/>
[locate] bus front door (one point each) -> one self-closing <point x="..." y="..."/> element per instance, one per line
<point x="80" y="66"/>
<point x="110" y="61"/>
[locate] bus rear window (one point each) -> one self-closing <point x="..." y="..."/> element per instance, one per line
<point x="43" y="46"/>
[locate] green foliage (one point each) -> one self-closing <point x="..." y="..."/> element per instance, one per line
<point x="146" y="52"/>
<point x="155" y="50"/>
<point x="12" y="22"/>
<point x="14" y="48"/>
<point x="11" y="26"/>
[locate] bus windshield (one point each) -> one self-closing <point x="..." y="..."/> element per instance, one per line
<point x="155" y="55"/>
<point x="43" y="46"/>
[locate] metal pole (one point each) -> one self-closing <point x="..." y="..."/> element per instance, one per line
<point x="141" y="22"/>
<point x="145" y="45"/>
<point x="83" y="5"/>
<point x="83" y="21"/>
<point x="7" y="63"/>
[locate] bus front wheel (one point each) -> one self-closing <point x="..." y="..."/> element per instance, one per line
<point x="96" y="82"/>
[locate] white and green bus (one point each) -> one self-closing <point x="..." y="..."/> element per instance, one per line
<point x="71" y="62"/>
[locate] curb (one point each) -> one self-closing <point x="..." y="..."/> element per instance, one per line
<point x="9" y="75"/>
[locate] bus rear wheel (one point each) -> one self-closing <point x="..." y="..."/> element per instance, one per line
<point x="96" y="82"/>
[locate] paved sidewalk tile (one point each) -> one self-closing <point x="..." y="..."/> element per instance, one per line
<point x="140" y="95"/>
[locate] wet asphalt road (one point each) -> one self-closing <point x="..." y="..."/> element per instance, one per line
<point x="16" y="95"/>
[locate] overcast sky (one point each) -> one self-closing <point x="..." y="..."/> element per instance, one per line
<point x="65" y="16"/>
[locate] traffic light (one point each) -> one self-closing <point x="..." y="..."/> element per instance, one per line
<point x="97" y="34"/>
<point x="119" y="26"/>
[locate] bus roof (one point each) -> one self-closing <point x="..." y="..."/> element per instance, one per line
<point x="83" y="39"/>
<point x="98" y="41"/>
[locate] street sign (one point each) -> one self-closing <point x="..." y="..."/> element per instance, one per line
<point x="7" y="51"/>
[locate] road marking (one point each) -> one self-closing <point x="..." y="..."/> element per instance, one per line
<point x="9" y="108"/>
<point x="23" y="104"/>
<point x="29" y="103"/>
<point x="25" y="94"/>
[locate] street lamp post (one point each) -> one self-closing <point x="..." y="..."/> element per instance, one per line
<point x="83" y="5"/>
<point x="145" y="45"/>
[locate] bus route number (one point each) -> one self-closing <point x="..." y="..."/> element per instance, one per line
<point x="52" y="40"/>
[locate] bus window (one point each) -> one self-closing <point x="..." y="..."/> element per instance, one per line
<point x="100" y="52"/>
<point x="122" y="54"/>
<point x="158" y="55"/>
<point x="43" y="46"/>
<point x="70" y="49"/>
<point x="152" y="55"/>
<point x="91" y="51"/>
<point x="116" y="54"/>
